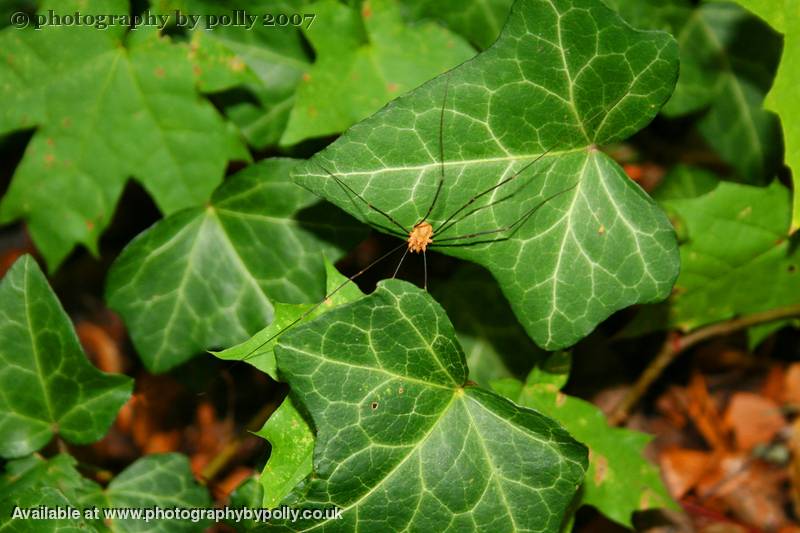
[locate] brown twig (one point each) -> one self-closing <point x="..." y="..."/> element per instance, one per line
<point x="675" y="344"/>
<point x="220" y="461"/>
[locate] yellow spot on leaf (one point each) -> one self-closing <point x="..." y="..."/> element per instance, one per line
<point x="648" y="499"/>
<point x="600" y="468"/>
<point x="236" y="64"/>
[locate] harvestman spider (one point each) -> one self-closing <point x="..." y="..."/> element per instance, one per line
<point x="421" y="235"/>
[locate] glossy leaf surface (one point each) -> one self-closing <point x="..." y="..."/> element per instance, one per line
<point x="48" y="386"/>
<point x="583" y="240"/>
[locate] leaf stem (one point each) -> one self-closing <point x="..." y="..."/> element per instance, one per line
<point x="675" y="344"/>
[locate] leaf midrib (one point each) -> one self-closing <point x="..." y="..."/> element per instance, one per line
<point x="165" y="142"/>
<point x="460" y="395"/>
<point x="461" y="162"/>
<point x="34" y="345"/>
<point x="378" y="369"/>
<point x="411" y="452"/>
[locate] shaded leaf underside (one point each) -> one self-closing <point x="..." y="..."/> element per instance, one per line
<point x="728" y="59"/>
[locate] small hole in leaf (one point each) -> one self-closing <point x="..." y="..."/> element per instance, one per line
<point x="374" y="405"/>
<point x="792" y="268"/>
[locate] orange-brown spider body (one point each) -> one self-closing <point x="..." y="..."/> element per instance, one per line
<point x="420" y="238"/>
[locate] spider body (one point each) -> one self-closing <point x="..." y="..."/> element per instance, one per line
<point x="420" y="237"/>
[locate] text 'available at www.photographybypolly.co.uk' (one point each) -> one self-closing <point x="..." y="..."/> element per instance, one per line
<point x="195" y="514"/>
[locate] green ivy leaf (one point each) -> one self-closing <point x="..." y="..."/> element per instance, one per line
<point x="736" y="259"/>
<point x="480" y="21"/>
<point x="208" y="276"/>
<point x="289" y="435"/>
<point x="562" y="77"/>
<point x="403" y="442"/>
<point x="47" y="497"/>
<point x="292" y="446"/>
<point x="684" y="182"/>
<point x="728" y="60"/>
<point x="782" y="98"/>
<point x="49" y="387"/>
<point x="735" y="256"/>
<point x="669" y="15"/>
<point x="33" y="473"/>
<point x="495" y="344"/>
<point x="247" y="494"/>
<point x="263" y="64"/>
<point x="363" y="60"/>
<point x="619" y="480"/>
<point x="155" y="480"/>
<point x="9" y="7"/>
<point x="259" y="350"/>
<point x="774" y="13"/>
<point x="784" y="17"/>
<point x="277" y="65"/>
<point x="104" y="111"/>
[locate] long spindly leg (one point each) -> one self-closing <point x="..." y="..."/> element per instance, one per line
<point x="425" y="268"/>
<point x="474" y="211"/>
<point x="329" y="295"/>
<point x="441" y="153"/>
<point x="447" y="223"/>
<point x="386" y="229"/>
<point x="510" y="228"/>
<point x="369" y="205"/>
<point x="396" y="270"/>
